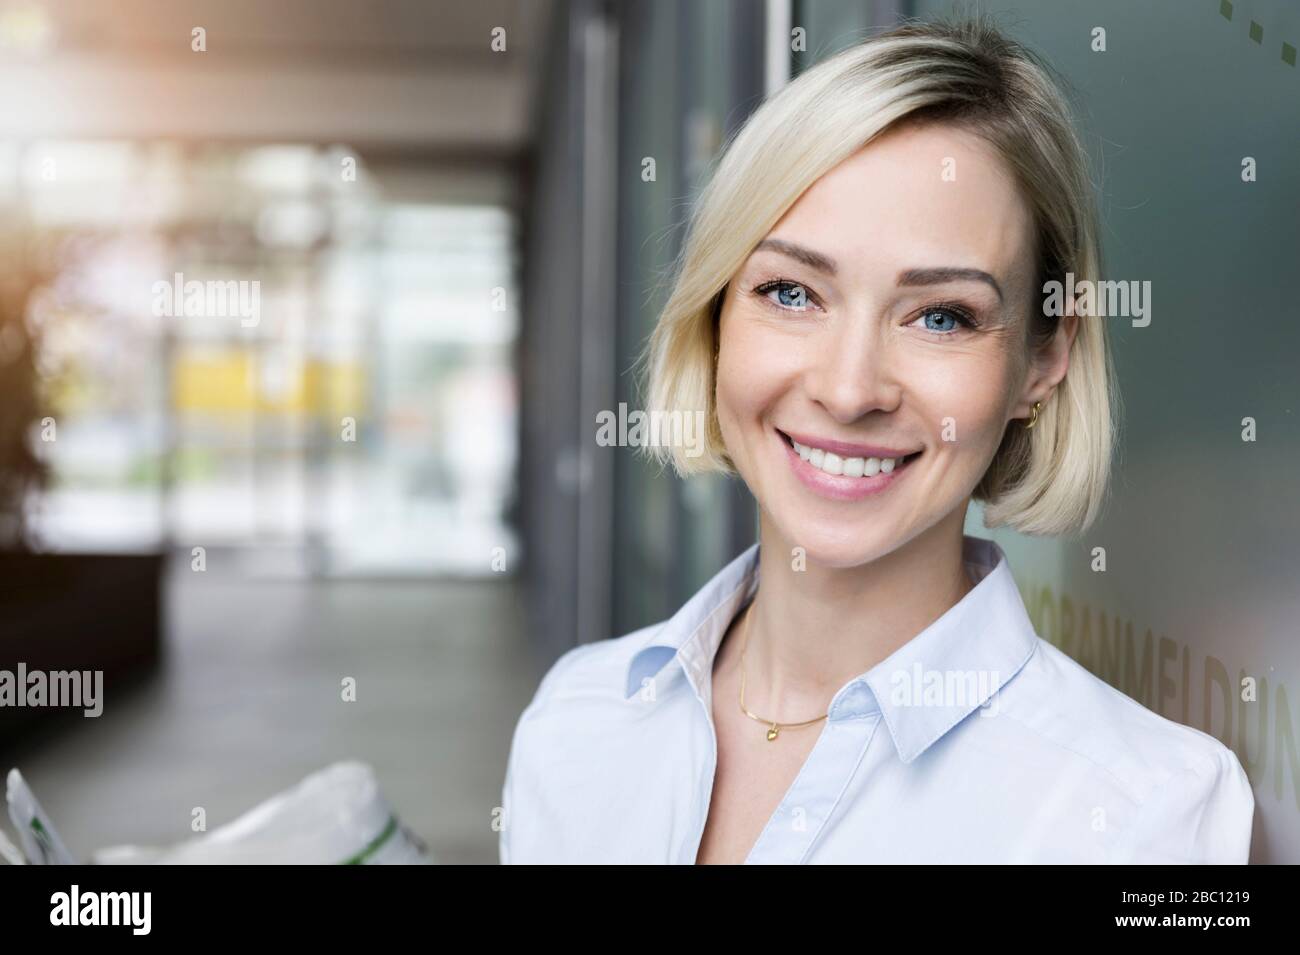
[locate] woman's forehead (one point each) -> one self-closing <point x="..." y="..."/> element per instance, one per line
<point x="933" y="196"/>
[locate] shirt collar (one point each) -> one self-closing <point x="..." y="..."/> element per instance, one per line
<point x="922" y="690"/>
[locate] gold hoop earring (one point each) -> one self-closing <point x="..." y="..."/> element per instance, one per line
<point x="1034" y="420"/>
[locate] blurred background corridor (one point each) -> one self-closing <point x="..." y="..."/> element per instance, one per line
<point x="388" y="473"/>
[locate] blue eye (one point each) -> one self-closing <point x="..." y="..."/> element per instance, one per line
<point x="945" y="320"/>
<point x="789" y="295"/>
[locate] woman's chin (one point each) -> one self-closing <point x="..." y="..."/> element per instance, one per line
<point x="837" y="548"/>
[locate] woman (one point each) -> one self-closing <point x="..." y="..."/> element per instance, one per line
<point x="860" y="310"/>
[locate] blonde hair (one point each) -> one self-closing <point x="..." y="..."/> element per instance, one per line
<point x="1050" y="480"/>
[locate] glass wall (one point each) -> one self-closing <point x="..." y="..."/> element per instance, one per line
<point x="259" y="349"/>
<point x="695" y="74"/>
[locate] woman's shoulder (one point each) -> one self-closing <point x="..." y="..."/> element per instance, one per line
<point x="590" y="671"/>
<point x="561" y="744"/>
<point x="1065" y="701"/>
<point x="1189" y="792"/>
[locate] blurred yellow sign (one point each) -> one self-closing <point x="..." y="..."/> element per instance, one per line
<point x="236" y="382"/>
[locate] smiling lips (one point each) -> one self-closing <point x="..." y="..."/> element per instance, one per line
<point x="841" y="470"/>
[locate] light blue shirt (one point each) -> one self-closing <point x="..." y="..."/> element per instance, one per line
<point x="976" y="741"/>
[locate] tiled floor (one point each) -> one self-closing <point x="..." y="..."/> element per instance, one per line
<point x="248" y="702"/>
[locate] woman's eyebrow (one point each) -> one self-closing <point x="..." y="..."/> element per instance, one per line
<point x="814" y="260"/>
<point x="940" y="275"/>
<point x="935" y="276"/>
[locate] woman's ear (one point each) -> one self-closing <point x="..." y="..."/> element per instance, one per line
<point x="1049" y="364"/>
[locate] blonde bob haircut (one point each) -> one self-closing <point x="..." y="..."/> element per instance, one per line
<point x="1048" y="480"/>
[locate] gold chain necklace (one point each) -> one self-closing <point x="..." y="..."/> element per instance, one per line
<point x="774" y="728"/>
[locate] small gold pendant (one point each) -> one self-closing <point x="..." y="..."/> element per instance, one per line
<point x="771" y="734"/>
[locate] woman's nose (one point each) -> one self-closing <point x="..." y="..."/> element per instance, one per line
<point x="850" y="374"/>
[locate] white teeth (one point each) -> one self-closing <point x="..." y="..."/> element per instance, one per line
<point x="849" y="467"/>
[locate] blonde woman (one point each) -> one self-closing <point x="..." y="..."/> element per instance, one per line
<point x="859" y="309"/>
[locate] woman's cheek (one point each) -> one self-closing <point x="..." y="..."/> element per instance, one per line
<point x="728" y="395"/>
<point x="966" y="403"/>
<point x="743" y="380"/>
<point x="746" y="392"/>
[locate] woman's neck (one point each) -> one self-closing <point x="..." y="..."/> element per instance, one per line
<point x="812" y="630"/>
